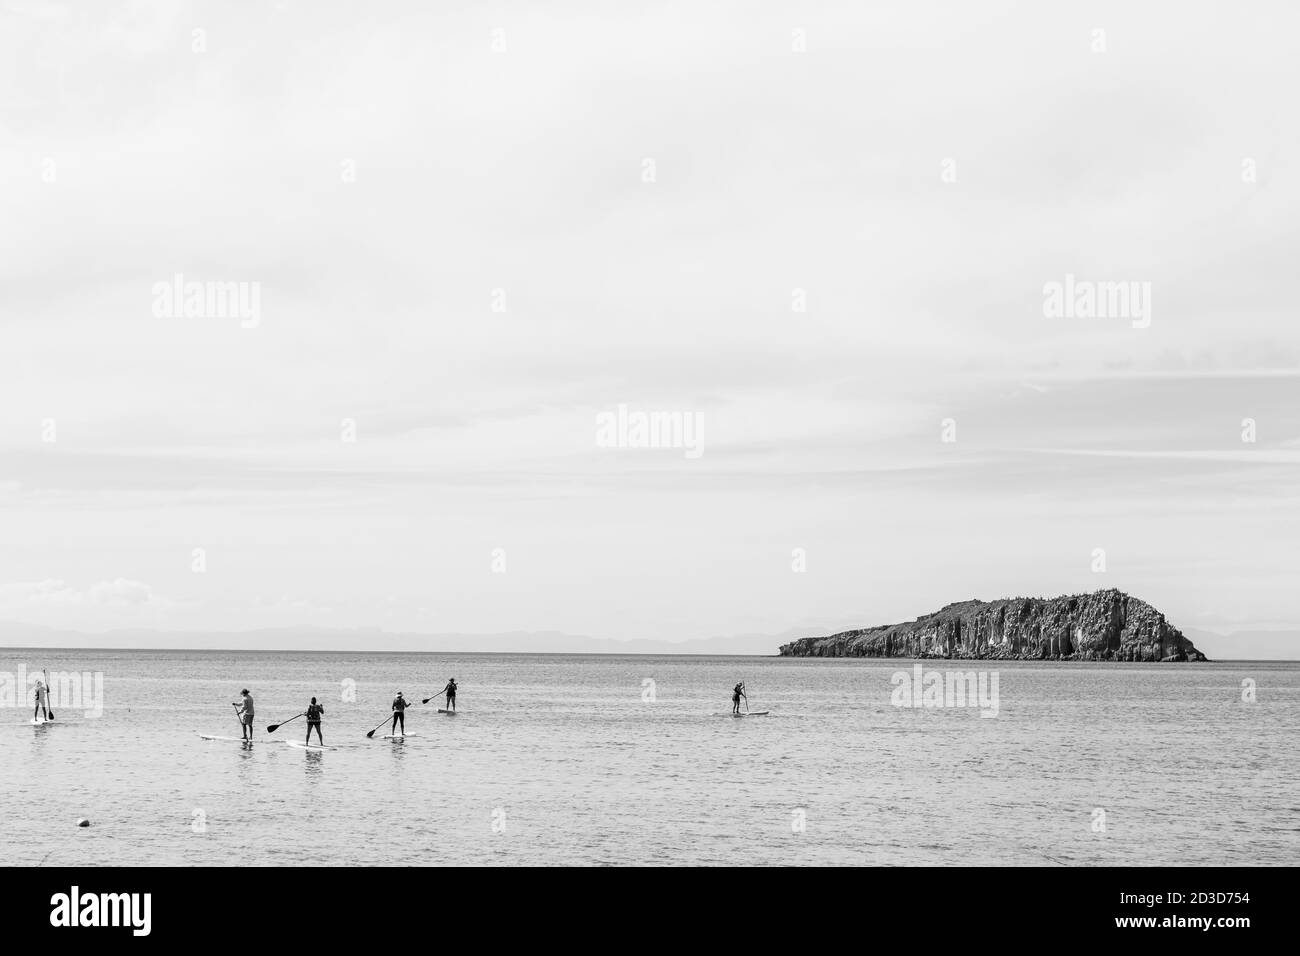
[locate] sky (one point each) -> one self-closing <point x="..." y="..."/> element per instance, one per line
<point x="824" y="235"/>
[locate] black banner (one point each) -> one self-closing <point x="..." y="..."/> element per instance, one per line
<point x="466" y="906"/>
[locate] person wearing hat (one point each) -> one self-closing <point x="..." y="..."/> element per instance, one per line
<point x="450" y="691"/>
<point x="399" y="712"/>
<point x="245" y="713"/>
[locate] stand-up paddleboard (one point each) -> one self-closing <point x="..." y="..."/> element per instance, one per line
<point x="398" y="736"/>
<point x="40" y="722"/>
<point x="449" y="713"/>
<point x="242" y="740"/>
<point x="752" y="713"/>
<point x="302" y="746"/>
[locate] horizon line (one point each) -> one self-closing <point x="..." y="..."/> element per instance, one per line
<point x="919" y="660"/>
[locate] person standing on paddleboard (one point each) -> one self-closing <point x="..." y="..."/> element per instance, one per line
<point x="450" y="691"/>
<point x="245" y="713"/>
<point x="399" y="712"/>
<point x="314" y="713"/>
<point x="737" y="693"/>
<point x="42" y="708"/>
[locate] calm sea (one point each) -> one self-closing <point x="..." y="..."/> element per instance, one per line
<point x="633" y="760"/>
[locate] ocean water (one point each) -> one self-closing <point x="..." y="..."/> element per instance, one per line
<point x="584" y="760"/>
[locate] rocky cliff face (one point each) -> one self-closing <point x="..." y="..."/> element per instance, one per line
<point x="1103" y="626"/>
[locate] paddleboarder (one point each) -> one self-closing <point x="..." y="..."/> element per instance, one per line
<point x="738" y="692"/>
<point x="42" y="708"/>
<point x="399" y="712"/>
<point x="314" y="713"/>
<point x="450" y="691"/>
<point x="245" y="713"/>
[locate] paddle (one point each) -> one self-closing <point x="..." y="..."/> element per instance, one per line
<point x="49" y="714"/>
<point x="274" y="727"/>
<point x="384" y="721"/>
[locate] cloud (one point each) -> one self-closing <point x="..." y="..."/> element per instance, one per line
<point x="289" y="606"/>
<point x="51" y="591"/>
<point x="121" y="592"/>
<point x="118" y="594"/>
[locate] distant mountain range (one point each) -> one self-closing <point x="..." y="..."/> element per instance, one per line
<point x="363" y="639"/>
<point x="1240" y="645"/>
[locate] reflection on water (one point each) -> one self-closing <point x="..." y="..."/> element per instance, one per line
<point x="314" y="765"/>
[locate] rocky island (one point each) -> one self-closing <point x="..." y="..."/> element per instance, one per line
<point x="1106" y="625"/>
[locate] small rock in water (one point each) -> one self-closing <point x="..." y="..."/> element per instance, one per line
<point x="83" y="822"/>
